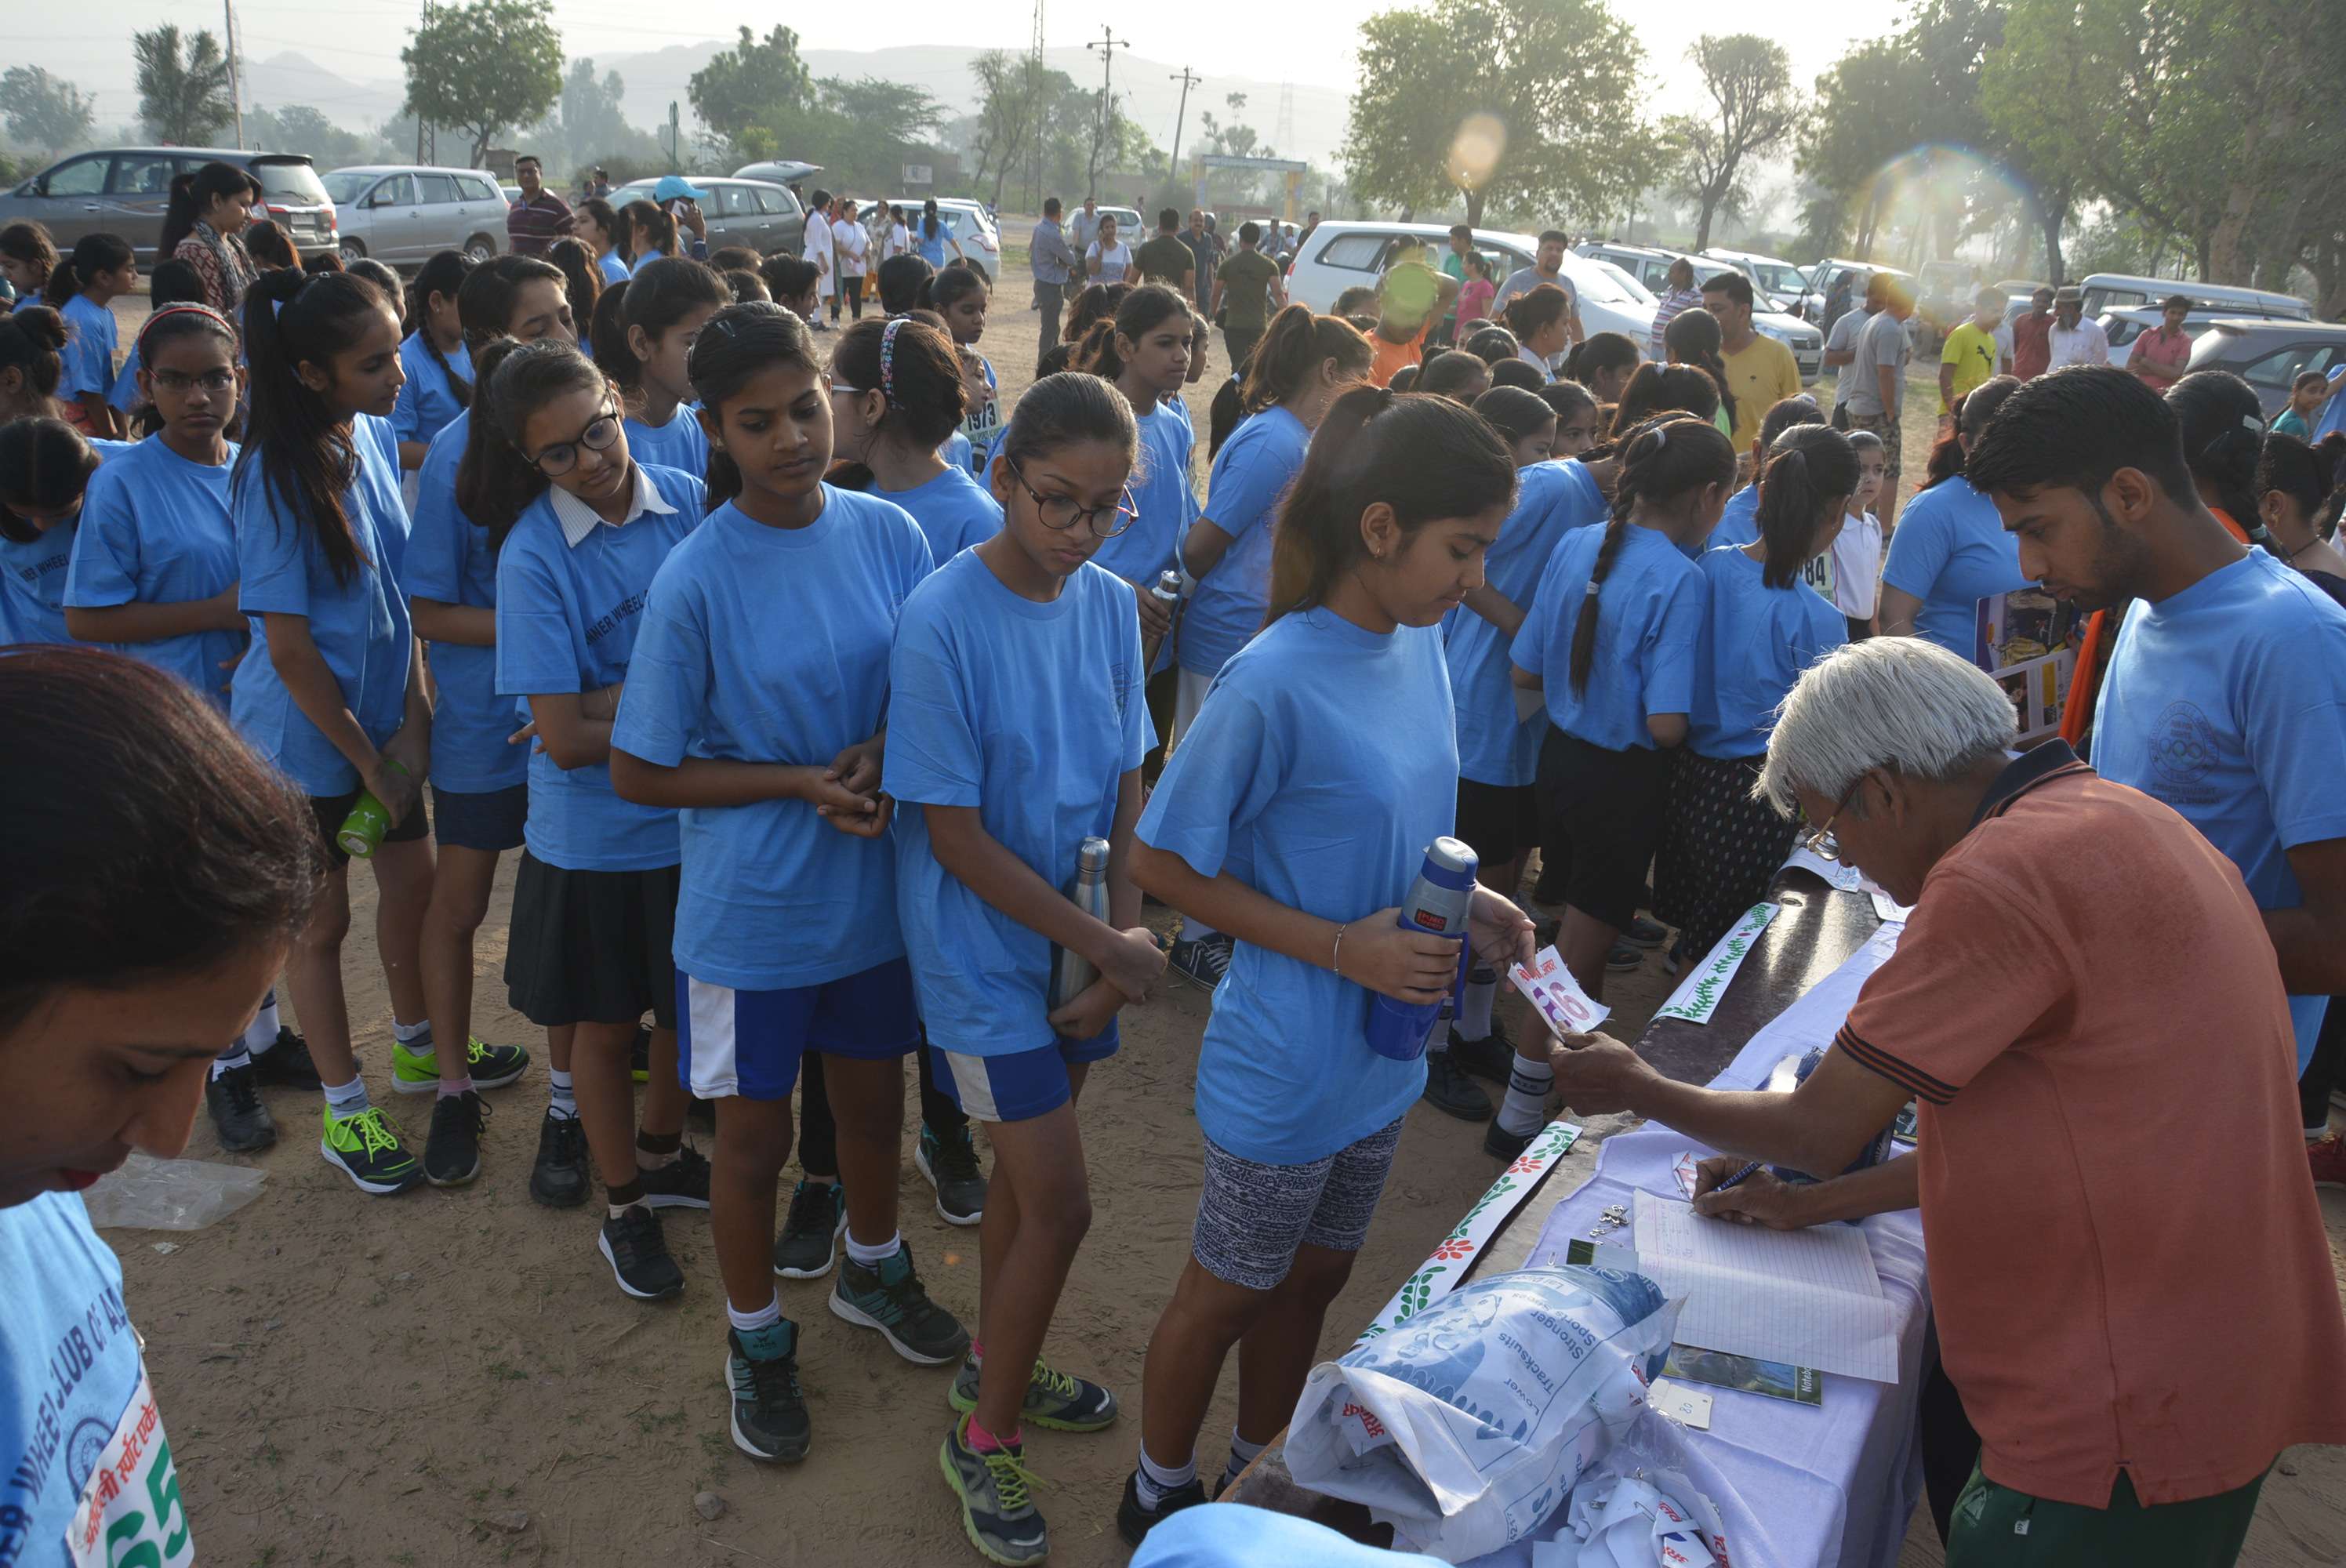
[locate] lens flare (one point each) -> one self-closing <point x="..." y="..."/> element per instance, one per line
<point x="1475" y="151"/>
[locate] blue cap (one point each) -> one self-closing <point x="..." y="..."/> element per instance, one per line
<point x="672" y="186"/>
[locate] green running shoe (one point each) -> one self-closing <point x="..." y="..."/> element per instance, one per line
<point x="891" y="1298"/>
<point x="369" y="1149"/>
<point x="998" y="1505"/>
<point x="1054" y="1398"/>
<point x="493" y="1066"/>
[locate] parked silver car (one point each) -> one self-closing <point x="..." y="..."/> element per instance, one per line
<point x="125" y="191"/>
<point x="757" y="213"/>
<point x="406" y="213"/>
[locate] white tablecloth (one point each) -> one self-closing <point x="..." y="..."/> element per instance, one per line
<point x="1831" y="1485"/>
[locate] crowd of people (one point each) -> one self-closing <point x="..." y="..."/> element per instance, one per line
<point x="805" y="681"/>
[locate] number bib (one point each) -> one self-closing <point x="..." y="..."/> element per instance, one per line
<point x="130" y="1514"/>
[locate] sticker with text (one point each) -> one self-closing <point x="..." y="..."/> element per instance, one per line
<point x="1558" y="997"/>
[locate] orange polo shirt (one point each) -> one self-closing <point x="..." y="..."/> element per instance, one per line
<point x="2126" y="1260"/>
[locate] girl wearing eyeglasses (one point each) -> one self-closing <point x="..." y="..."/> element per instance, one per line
<point x="787" y="943"/>
<point x="580" y="529"/>
<point x="897" y="396"/>
<point x="1017" y="724"/>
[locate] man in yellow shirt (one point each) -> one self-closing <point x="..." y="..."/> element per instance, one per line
<point x="1761" y="371"/>
<point x="1969" y="358"/>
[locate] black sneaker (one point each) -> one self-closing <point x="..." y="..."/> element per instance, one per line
<point x="287" y="1064"/>
<point x="995" y="1489"/>
<point x="1643" y="932"/>
<point x="1503" y="1144"/>
<point x="452" y="1150"/>
<point x="951" y="1166"/>
<point x="1624" y="958"/>
<point x="770" y="1413"/>
<point x="1203" y="961"/>
<point x="809" y="1238"/>
<point x="682" y="1183"/>
<point x="1492" y="1057"/>
<point x="1133" y="1521"/>
<point x="888" y="1296"/>
<point x="637" y="1254"/>
<point x="1449" y="1090"/>
<point x="558" y="1180"/>
<point x="243" y="1123"/>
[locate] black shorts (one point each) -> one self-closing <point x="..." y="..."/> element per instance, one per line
<point x="1498" y="821"/>
<point x="592" y="947"/>
<point x="332" y="809"/>
<point x="490" y="819"/>
<point x="1606" y="808"/>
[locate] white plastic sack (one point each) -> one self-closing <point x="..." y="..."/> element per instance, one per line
<point x="1637" y="1508"/>
<point x="1464" y="1427"/>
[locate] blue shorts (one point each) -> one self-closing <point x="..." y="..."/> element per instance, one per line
<point x="1022" y="1085"/>
<point x="489" y="820"/>
<point x="748" y="1042"/>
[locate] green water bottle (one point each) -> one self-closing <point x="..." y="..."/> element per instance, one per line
<point x="361" y="832"/>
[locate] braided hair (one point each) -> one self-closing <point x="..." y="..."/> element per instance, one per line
<point x="1659" y="461"/>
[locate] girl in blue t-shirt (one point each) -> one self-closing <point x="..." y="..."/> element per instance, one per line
<point x="45" y="468"/>
<point x="1612" y="651"/>
<point x="786" y="935"/>
<point x="897" y="395"/>
<point x="1294" y="816"/>
<point x="642" y="333"/>
<point x="524" y="298"/>
<point x="154" y="568"/>
<point x="1017" y="728"/>
<point x="580" y="529"/>
<point x="959" y="295"/>
<point x="83" y="288"/>
<point x="1303" y="363"/>
<point x="1763" y="625"/>
<point x="158" y="872"/>
<point x="439" y="372"/>
<point x="334" y="693"/>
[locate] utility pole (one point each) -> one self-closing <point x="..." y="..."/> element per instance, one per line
<point x="419" y="118"/>
<point x="1188" y="78"/>
<point x="1107" y="44"/>
<point x="1042" y="107"/>
<point x="235" y="91"/>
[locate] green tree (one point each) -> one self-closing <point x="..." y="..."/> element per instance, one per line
<point x="183" y="96"/>
<point x="484" y="68"/>
<point x="758" y="86"/>
<point x="1750" y="81"/>
<point x="1554" y="78"/>
<point x="300" y="127"/>
<point x="1014" y="97"/>
<point x="42" y="111"/>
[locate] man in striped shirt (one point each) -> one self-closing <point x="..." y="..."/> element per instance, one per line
<point x="540" y="217"/>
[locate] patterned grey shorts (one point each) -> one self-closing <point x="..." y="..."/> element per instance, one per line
<point x="1252" y="1218"/>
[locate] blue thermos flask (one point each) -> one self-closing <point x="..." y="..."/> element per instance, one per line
<point x="1437" y="903"/>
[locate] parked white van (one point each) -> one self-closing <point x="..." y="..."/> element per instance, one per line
<point x="2118" y="291"/>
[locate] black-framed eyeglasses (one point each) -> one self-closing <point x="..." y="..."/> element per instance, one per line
<point x="1060" y="513"/>
<point x="212" y="381"/>
<point x="1821" y="842"/>
<point x="600" y="435"/>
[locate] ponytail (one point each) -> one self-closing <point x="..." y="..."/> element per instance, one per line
<point x="1425" y="456"/>
<point x="444" y="275"/>
<point x="191" y="193"/>
<point x="1659" y="461"/>
<point x="1693" y="338"/>
<point x="1536" y="310"/>
<point x="92" y="254"/>
<point x="33" y="341"/>
<point x="496" y="481"/>
<point x="1292" y="351"/>
<point x="740" y="342"/>
<point x="1657" y="389"/>
<point x="1810" y="474"/>
<point x="1599" y="352"/>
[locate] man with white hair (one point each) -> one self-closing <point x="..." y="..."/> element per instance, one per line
<point x="2084" y="981"/>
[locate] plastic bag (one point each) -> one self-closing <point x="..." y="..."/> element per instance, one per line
<point x="148" y="1194"/>
<point x="1465" y="1426"/>
<point x="1636" y="1507"/>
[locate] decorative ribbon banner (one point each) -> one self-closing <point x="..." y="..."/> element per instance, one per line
<point x="1441" y="1273"/>
<point x="1698" y="995"/>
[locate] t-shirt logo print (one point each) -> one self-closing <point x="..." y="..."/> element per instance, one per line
<point x="2182" y="746"/>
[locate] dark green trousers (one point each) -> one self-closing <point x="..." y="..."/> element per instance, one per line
<point x="1996" y="1527"/>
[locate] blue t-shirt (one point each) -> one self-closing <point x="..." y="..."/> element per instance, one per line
<point x="1951" y="551"/>
<point x="1649" y="621"/>
<point x="427" y="399"/>
<point x="1033" y="712"/>
<point x="770" y="644"/>
<point x="932" y="247"/>
<point x="32" y="586"/>
<point x="1256" y="464"/>
<point x="679" y="444"/>
<point x="125" y="395"/>
<point x="74" y="1397"/>
<point x="954" y="450"/>
<point x="1494" y="745"/>
<point x="614" y="270"/>
<point x="1162" y="495"/>
<point x="983" y="426"/>
<point x="1323" y="762"/>
<point x="449" y="560"/>
<point x="2227" y="701"/>
<point x="154" y="530"/>
<point x="360" y="627"/>
<point x="644" y="257"/>
<point x="88" y="354"/>
<point x="1756" y="641"/>
<point x="1739" y="522"/>
<point x="567" y="620"/>
<point x="1234" y="1535"/>
<point x="954" y="511"/>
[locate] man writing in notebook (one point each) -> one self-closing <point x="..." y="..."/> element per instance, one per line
<point x="2136" y="1340"/>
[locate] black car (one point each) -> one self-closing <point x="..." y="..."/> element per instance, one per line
<point x="2269" y="355"/>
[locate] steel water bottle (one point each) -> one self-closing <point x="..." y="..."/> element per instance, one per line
<point x="1072" y="972"/>
<point x="1437" y="904"/>
<point x="1168" y="593"/>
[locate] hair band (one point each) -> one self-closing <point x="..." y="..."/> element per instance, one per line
<point x="888" y="359"/>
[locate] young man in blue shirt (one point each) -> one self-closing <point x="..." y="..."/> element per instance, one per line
<point x="2225" y="694"/>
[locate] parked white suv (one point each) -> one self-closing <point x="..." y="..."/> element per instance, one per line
<point x="1649" y="266"/>
<point x="968" y="225"/>
<point x="1341" y="254"/>
<point x="404" y="214"/>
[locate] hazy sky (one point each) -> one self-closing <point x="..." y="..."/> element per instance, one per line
<point x="1233" y="37"/>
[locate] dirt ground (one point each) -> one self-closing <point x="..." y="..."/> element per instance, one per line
<point x="451" y="1378"/>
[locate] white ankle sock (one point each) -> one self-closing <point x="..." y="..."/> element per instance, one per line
<point x="561" y="1101"/>
<point x="748" y="1322"/>
<point x="872" y="1256"/>
<point x="410" y="1034"/>
<point x="1474" y="1013"/>
<point x="1242" y="1454"/>
<point x="262" y="1033"/>
<point x="1153" y="1480"/>
<point x="237" y="1055"/>
<point x="347" y="1100"/>
<point x="1195" y="930"/>
<point x="1528" y="1082"/>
